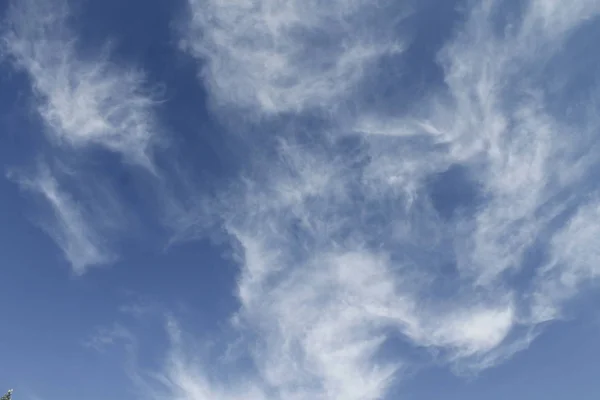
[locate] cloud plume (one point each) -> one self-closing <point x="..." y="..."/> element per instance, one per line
<point x="77" y="229"/>
<point x="83" y="99"/>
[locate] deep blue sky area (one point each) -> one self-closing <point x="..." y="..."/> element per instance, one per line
<point x="290" y="200"/>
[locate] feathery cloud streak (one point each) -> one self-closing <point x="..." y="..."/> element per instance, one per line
<point x="77" y="229"/>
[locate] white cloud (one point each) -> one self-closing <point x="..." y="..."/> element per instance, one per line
<point x="286" y="56"/>
<point x="318" y="300"/>
<point x="187" y="378"/>
<point x="76" y="229"/>
<point x="574" y="254"/>
<point x="107" y="337"/>
<point x="83" y="99"/>
<point x="492" y="118"/>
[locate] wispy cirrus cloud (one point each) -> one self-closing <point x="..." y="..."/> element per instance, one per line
<point x="572" y="263"/>
<point x="77" y="227"/>
<point x="274" y="56"/>
<point x="84" y="99"/>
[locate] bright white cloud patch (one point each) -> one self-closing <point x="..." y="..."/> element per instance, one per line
<point x="83" y="99"/>
<point x="276" y="56"/>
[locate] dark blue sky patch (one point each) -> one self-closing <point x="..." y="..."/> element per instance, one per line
<point x="399" y="81"/>
<point x="22" y="133"/>
<point x="454" y="192"/>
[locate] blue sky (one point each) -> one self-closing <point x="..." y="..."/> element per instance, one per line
<point x="289" y="200"/>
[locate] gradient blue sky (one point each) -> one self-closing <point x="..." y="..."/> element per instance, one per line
<point x="299" y="199"/>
